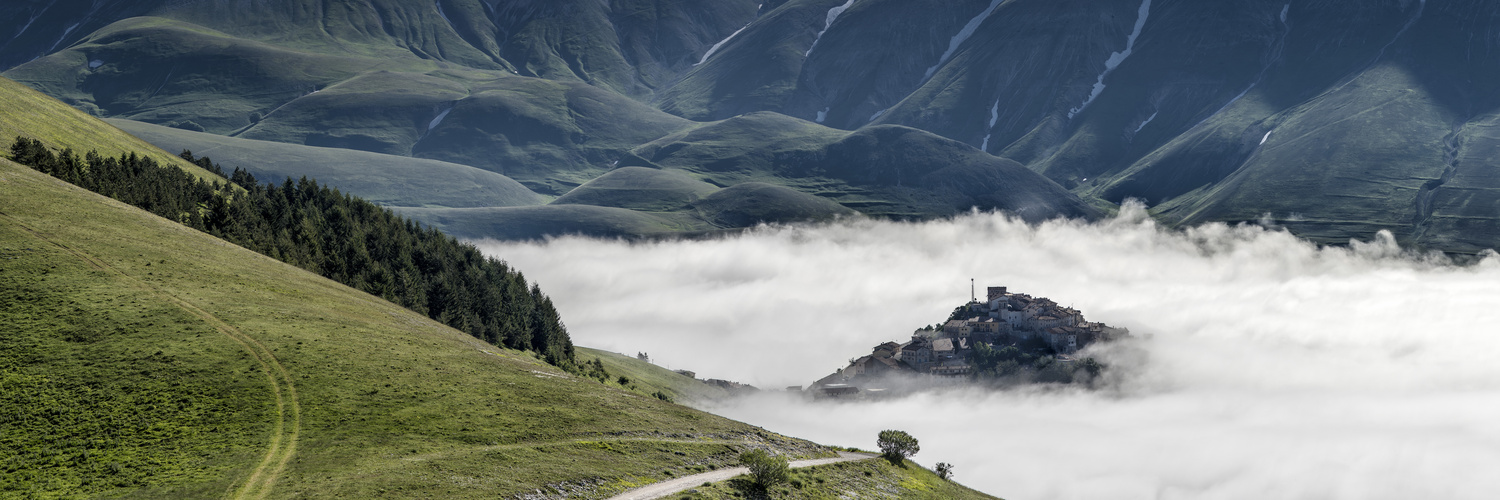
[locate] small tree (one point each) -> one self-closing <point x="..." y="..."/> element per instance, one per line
<point x="897" y="445"/>
<point x="765" y="470"/>
<point x="944" y="470"/>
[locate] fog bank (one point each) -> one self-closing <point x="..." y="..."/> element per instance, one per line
<point x="1275" y="369"/>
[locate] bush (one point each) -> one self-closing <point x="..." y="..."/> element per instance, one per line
<point x="765" y="470"/>
<point x="897" y="445"/>
<point x="944" y="470"/>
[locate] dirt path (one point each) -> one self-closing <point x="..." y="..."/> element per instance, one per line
<point x="289" y="413"/>
<point x="684" y="483"/>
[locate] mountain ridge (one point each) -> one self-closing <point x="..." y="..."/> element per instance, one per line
<point x="1188" y="106"/>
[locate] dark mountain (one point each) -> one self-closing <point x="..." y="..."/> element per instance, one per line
<point x="1334" y="119"/>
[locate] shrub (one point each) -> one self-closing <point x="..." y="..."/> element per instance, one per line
<point x="897" y="445"/>
<point x="765" y="470"/>
<point x="944" y="470"/>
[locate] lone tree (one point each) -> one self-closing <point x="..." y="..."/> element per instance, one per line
<point x="944" y="470"/>
<point x="897" y="445"/>
<point x="765" y="470"/>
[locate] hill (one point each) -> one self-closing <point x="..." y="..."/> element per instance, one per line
<point x="883" y="171"/>
<point x="34" y="115"/>
<point x="648" y="378"/>
<point x="146" y="359"/>
<point x="143" y="359"/>
<point x="392" y="181"/>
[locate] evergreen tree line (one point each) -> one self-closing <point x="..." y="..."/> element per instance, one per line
<point x="339" y="236"/>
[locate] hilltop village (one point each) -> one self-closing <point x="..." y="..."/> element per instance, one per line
<point x="1006" y="334"/>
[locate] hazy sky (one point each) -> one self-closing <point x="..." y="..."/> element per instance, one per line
<point x="1275" y="369"/>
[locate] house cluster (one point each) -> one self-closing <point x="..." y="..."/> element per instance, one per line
<point x="1002" y="319"/>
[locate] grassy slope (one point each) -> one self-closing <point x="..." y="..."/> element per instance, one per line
<point x="646" y="378"/>
<point x="1350" y="163"/>
<point x="881" y="171"/>
<point x="164" y="71"/>
<point x="749" y="203"/>
<point x="33" y="114"/>
<point x="639" y="188"/>
<point x="862" y="479"/>
<point x="537" y="222"/>
<point x="385" y="179"/>
<point x="194" y="358"/>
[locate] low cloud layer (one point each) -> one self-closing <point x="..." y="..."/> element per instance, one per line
<point x="1275" y="369"/>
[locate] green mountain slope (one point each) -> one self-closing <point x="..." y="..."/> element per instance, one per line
<point x="649" y="378"/>
<point x="171" y="72"/>
<point x="32" y="114"/>
<point x="394" y="181"/>
<point x="227" y="371"/>
<point x="885" y="171"/>
<point x="541" y="221"/>
<point x="143" y="359"/>
<point x="639" y="188"/>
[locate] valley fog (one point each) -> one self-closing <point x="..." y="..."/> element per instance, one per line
<point x="1274" y="369"/>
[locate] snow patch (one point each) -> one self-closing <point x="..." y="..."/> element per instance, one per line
<point x="439" y="119"/>
<point x="832" y="14"/>
<point x="1148" y="120"/>
<point x="721" y="43"/>
<point x="964" y="34"/>
<point x="1116" y="58"/>
<point x="93" y="7"/>
<point x="994" y="117"/>
<point x="63" y="37"/>
<point x="823" y="115"/>
<point x="878" y="113"/>
<point x="95" y="63"/>
<point x="1264" y="137"/>
<point x="1284" y="9"/>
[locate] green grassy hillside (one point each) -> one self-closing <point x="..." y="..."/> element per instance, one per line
<point x="148" y="360"/>
<point x="32" y="114"/>
<point x="750" y="203"/>
<point x="537" y="222"/>
<point x="881" y="171"/>
<point x="395" y="181"/>
<point x="172" y="73"/>
<point x="646" y="378"/>
<point x="638" y="188"/>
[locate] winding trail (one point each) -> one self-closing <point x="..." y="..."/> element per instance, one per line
<point x="664" y="488"/>
<point x="289" y="413"/>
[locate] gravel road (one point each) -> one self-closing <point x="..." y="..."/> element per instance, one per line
<point x="664" y="488"/>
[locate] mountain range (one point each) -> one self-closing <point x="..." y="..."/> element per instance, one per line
<point x="1332" y="119"/>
